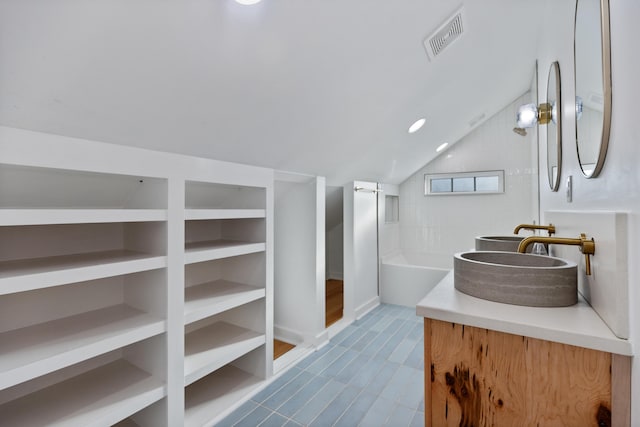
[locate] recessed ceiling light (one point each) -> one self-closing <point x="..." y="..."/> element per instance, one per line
<point x="417" y="125"/>
<point x="441" y="147"/>
<point x="248" y="2"/>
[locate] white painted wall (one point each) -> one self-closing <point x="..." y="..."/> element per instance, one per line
<point x="334" y="232"/>
<point x="361" y="249"/>
<point x="335" y="252"/>
<point x="436" y="227"/>
<point x="618" y="186"/>
<point x="299" y="258"/>
<point x="349" y="258"/>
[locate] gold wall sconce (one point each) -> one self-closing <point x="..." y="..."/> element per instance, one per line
<point x="530" y="114"/>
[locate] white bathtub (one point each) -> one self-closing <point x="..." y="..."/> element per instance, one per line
<point x="406" y="278"/>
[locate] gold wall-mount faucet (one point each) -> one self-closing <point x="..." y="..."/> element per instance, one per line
<point x="586" y="246"/>
<point x="551" y="229"/>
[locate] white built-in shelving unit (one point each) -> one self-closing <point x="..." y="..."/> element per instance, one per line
<point x="135" y="286"/>
<point x="82" y="271"/>
<point x="225" y="296"/>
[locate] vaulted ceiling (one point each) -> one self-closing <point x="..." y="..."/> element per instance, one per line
<point x="323" y="87"/>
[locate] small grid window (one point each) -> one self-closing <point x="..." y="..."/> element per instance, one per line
<point x="464" y="185"/>
<point x="485" y="182"/>
<point x="441" y="185"/>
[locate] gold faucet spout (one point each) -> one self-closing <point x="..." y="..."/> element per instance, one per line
<point x="586" y="246"/>
<point x="522" y="247"/>
<point x="551" y="229"/>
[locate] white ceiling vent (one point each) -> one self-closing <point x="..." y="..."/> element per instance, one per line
<point x="445" y="35"/>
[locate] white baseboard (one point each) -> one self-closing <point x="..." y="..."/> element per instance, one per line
<point x="367" y="307"/>
<point x="288" y="335"/>
<point x="321" y="339"/>
<point x="299" y="338"/>
<point x="337" y="327"/>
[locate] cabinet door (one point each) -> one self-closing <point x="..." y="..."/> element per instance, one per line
<point x="478" y="377"/>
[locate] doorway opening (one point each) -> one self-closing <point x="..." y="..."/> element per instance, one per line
<point x="334" y="253"/>
<point x="334" y="301"/>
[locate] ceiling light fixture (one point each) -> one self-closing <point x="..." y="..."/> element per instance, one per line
<point x="247" y="2"/>
<point x="442" y="147"/>
<point x="417" y="125"/>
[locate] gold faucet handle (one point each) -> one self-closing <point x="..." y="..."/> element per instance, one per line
<point x="588" y="246"/>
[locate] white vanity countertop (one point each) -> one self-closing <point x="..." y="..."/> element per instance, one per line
<point x="577" y="325"/>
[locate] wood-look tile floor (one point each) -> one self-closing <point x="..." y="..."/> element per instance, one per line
<point x="369" y="375"/>
<point x="334" y="301"/>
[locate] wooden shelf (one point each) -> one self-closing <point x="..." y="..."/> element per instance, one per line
<point x="217" y="249"/>
<point x="209" y="348"/>
<point x="211" y="298"/>
<point x="209" y="399"/>
<point x="10" y="217"/>
<point x="200" y="214"/>
<point x="37" y="273"/>
<point x="32" y="351"/>
<point x="101" y="397"/>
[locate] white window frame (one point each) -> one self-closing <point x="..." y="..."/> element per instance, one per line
<point x="429" y="177"/>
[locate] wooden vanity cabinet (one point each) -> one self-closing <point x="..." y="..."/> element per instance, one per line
<point x="481" y="377"/>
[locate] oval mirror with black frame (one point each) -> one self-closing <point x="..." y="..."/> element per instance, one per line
<point x="593" y="84"/>
<point x="550" y="113"/>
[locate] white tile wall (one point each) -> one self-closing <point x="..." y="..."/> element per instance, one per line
<point x="389" y="232"/>
<point x="607" y="288"/>
<point x="618" y="186"/>
<point x="438" y="226"/>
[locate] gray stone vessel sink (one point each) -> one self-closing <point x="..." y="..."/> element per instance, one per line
<point x="515" y="278"/>
<point x="499" y="243"/>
